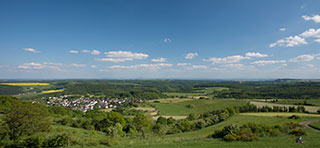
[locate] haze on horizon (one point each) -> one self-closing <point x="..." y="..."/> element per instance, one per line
<point x="165" y="39"/>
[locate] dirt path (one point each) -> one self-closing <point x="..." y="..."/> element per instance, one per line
<point x="306" y="124"/>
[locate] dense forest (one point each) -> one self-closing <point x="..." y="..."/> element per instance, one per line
<point x="267" y="89"/>
<point x="153" y="89"/>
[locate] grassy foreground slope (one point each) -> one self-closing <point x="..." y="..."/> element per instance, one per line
<point x="198" y="139"/>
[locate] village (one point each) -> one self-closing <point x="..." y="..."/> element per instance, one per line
<point x="87" y="103"/>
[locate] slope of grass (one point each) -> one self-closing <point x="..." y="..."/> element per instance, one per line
<point x="199" y="106"/>
<point x="198" y="139"/>
<point x="315" y="125"/>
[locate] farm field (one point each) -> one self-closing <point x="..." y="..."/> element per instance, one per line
<point x="312" y="109"/>
<point x="25" y="84"/>
<point x="52" y="91"/>
<point x="178" y="94"/>
<point x="199" y="106"/>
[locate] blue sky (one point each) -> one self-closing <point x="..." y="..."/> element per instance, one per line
<point x="159" y="39"/>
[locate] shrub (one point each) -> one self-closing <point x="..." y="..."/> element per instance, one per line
<point x="275" y="132"/>
<point x="231" y="137"/>
<point x="171" y="121"/>
<point x="200" y="124"/>
<point x="184" y="125"/>
<point x="65" y="121"/>
<point x="297" y="132"/>
<point x="247" y="136"/>
<point x="294" y="117"/>
<point x="57" y="141"/>
<point x="190" y="106"/>
<point x="162" y="120"/>
<point x="34" y="142"/>
<point x="191" y="116"/>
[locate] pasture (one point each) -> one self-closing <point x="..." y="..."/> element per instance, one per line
<point x="199" y="106"/>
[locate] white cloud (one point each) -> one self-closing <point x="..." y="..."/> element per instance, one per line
<point x="283" y="29"/>
<point x="78" y="65"/>
<point x="31" y="65"/>
<point x="93" y="66"/>
<point x="114" y="60"/>
<point x="122" y="56"/>
<point x="317" y="40"/>
<point x="31" y="50"/>
<point x="191" y="55"/>
<point x="310" y="65"/>
<point x="311" y="33"/>
<point x="229" y="59"/>
<point x="159" y="60"/>
<point x="73" y="51"/>
<point x="256" y="54"/>
<point x="315" y="18"/>
<point x="167" y="40"/>
<point x="37" y="66"/>
<point x="263" y="62"/>
<point x="95" y="52"/>
<point x="198" y="67"/>
<point x="234" y="65"/>
<point x="85" y="51"/>
<point x="142" y="66"/>
<point x="290" y="41"/>
<point x="302" y="58"/>
<point x="53" y="64"/>
<point x="183" y="64"/>
<point x="126" y="54"/>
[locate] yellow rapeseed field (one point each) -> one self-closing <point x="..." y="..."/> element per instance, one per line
<point x="52" y="91"/>
<point x="24" y="84"/>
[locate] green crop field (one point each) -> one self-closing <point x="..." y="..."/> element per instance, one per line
<point x="178" y="94"/>
<point x="199" y="106"/>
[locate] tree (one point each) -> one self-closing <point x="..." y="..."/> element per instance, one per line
<point x="171" y="121"/>
<point x="140" y="121"/>
<point x="25" y="118"/>
<point x="191" y="116"/>
<point x="184" y="125"/>
<point x="111" y="119"/>
<point x="162" y="121"/>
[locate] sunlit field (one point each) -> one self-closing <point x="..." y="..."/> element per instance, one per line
<point x="52" y="91"/>
<point x="25" y="84"/>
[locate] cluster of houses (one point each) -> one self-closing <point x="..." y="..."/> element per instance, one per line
<point x="86" y="103"/>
